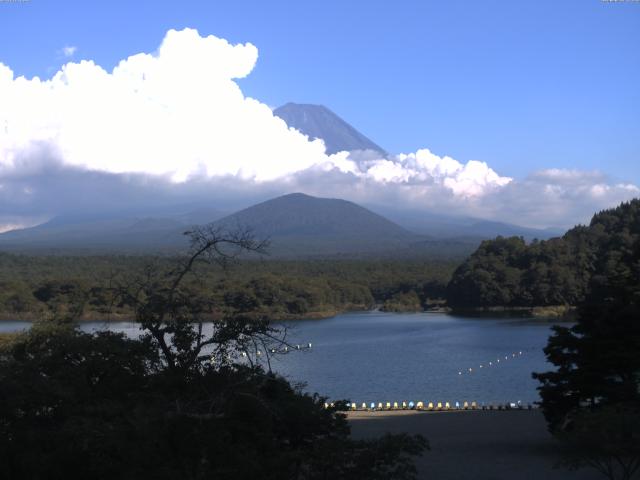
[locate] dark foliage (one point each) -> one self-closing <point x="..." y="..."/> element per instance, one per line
<point x="179" y="402"/>
<point x="595" y="391"/>
<point x="508" y="272"/>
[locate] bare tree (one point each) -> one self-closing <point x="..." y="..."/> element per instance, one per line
<point x="179" y="320"/>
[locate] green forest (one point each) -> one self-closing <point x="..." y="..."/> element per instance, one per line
<point x="34" y="287"/>
<point x="507" y="272"/>
<point x="504" y="273"/>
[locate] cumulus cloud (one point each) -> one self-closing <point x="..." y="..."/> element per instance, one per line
<point x="173" y="125"/>
<point x="177" y="112"/>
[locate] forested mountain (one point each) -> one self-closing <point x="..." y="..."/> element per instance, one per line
<point x="317" y="121"/>
<point x="298" y="214"/>
<point x="302" y="226"/>
<point x="508" y="272"/>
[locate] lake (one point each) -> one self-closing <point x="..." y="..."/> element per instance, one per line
<point x="380" y="357"/>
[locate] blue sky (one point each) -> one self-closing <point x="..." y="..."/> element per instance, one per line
<point x="521" y="85"/>
<point x="537" y="102"/>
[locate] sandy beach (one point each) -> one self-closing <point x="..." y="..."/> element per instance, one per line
<point x="475" y="445"/>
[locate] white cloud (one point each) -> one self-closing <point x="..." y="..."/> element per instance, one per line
<point x="69" y="51"/>
<point x="179" y="112"/>
<point x="8" y="223"/>
<point x="473" y="179"/>
<point x="178" y="117"/>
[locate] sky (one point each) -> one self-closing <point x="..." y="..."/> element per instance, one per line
<point x="519" y="111"/>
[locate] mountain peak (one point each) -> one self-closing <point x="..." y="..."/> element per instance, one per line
<point x="298" y="223"/>
<point x="317" y="121"/>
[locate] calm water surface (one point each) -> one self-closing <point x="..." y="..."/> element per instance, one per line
<point x="380" y="357"/>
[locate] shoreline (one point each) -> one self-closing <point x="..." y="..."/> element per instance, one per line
<point x="538" y="314"/>
<point x="358" y="415"/>
<point x="560" y="313"/>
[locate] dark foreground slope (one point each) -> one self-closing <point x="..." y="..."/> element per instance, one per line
<point x="479" y="445"/>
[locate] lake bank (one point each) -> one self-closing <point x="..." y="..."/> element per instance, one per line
<point x="558" y="314"/>
<point x="114" y="318"/>
<point x="475" y="445"/>
<point x="552" y="313"/>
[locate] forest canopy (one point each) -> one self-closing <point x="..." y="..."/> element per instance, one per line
<point x="35" y="287"/>
<point x="507" y="272"/>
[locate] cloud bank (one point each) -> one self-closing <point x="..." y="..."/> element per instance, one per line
<point x="173" y="125"/>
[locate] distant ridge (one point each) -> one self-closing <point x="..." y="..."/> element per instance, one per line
<point x="317" y="121"/>
<point x="300" y="224"/>
<point x="297" y="225"/>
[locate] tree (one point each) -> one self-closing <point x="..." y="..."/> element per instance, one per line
<point x="182" y="401"/>
<point x="606" y="439"/>
<point x="592" y="400"/>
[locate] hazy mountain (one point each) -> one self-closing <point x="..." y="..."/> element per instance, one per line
<point x="297" y="225"/>
<point x="108" y="232"/>
<point x="318" y="121"/>
<point x="446" y="226"/>
<point x="493" y="229"/>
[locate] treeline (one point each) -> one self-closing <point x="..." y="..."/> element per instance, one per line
<point x="85" y="287"/>
<point x="507" y="272"/>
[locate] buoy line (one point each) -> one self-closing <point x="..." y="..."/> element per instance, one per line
<point x="491" y="363"/>
<point x="430" y="406"/>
